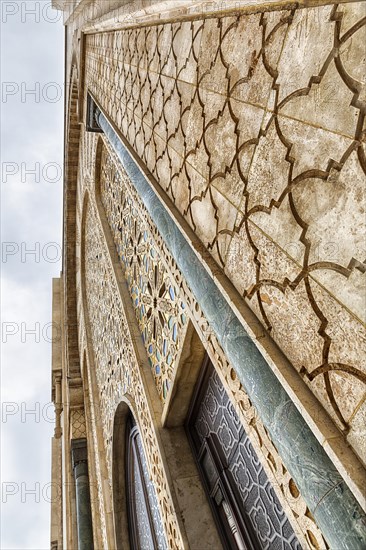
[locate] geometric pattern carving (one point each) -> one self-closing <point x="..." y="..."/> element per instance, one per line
<point x="265" y="160"/>
<point x="77" y="424"/>
<point x="159" y="310"/>
<point x="217" y="418"/>
<point x="109" y="334"/>
<point x="117" y="368"/>
<point x="291" y="498"/>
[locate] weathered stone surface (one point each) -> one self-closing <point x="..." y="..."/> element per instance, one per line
<point x="251" y="121"/>
<point x="307" y="461"/>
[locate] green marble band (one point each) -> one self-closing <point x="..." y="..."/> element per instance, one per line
<point x="336" y="511"/>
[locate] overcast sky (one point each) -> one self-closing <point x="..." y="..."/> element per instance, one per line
<point x="32" y="58"/>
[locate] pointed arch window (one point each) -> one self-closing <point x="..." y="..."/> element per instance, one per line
<point x="145" y="525"/>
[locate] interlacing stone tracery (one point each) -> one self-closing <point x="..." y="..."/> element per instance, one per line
<point x="243" y="140"/>
<point x="246" y="120"/>
<point x="117" y="368"/>
<point x="291" y="499"/>
<point x="158" y="307"/>
<point x="109" y="333"/>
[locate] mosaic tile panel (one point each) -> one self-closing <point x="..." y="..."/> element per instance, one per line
<point x="159" y="309"/>
<point x="290" y="496"/>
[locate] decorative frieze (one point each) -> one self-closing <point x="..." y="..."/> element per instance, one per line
<point x="319" y="480"/>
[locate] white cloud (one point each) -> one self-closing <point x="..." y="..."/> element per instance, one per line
<point x="31" y="213"/>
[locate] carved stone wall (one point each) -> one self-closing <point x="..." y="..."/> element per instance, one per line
<point x="264" y="157"/>
<point x="252" y="122"/>
<point x="121" y="190"/>
<point x="117" y="367"/>
<point x="155" y="297"/>
<point x="77" y="424"/>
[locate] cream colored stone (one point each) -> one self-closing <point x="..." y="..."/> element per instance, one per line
<point x="210" y="37"/>
<point x="221" y="140"/>
<point x="213" y="154"/>
<point x="334" y="211"/>
<point x="210" y="95"/>
<point x="204" y="218"/>
<point x="327" y="105"/>
<point x="197" y="184"/>
<point x="250" y="80"/>
<point x="199" y="160"/>
<point x="226" y="214"/>
<point x="353" y="58"/>
<point x="166" y="64"/>
<point x="194" y="124"/>
<point x="308" y="41"/>
<point x="184" y="47"/>
<point x="281" y="226"/>
<point x="348" y="348"/>
<point x="275" y="266"/>
<point x="180" y="191"/>
<point x="312" y="148"/>
<point x="351" y="14"/>
<point x="191" y="501"/>
<point x="240" y="267"/>
<point x="231" y="185"/>
<point x="296" y="332"/>
<point x="357" y="434"/>
<point x="350" y="291"/>
<point x="269" y="171"/>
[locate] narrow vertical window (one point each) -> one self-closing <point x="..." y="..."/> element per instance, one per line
<point x="145" y="526"/>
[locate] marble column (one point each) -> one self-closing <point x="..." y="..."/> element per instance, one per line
<point x="83" y="508"/>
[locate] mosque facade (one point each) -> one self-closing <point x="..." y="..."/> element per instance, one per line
<point x="208" y="372"/>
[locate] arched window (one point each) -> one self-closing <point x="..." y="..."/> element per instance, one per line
<point x="248" y="513"/>
<point x="145" y="526"/>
